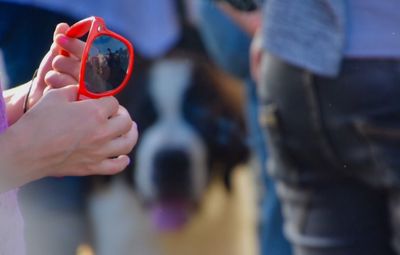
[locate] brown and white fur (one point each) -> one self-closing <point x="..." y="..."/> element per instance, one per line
<point x="192" y="137"/>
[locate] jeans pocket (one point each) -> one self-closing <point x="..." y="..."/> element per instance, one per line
<point x="281" y="163"/>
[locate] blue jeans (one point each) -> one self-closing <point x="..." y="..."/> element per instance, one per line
<point x="228" y="46"/>
<point x="334" y="149"/>
<point x="271" y="237"/>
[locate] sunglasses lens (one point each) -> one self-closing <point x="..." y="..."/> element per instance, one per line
<point x="106" y="65"/>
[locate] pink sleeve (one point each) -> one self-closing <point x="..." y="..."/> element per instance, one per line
<point x="11" y="222"/>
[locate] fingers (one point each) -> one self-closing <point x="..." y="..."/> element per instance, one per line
<point x="117" y="160"/>
<point x="65" y="70"/>
<point x="56" y="79"/>
<point x="60" y="29"/>
<point x="109" y="106"/>
<point x="46" y="63"/>
<point x="67" y="93"/>
<point x="67" y="65"/>
<point x="57" y="71"/>
<point x="121" y="145"/>
<point x="111" y="166"/>
<point x="72" y="45"/>
<point x="119" y="124"/>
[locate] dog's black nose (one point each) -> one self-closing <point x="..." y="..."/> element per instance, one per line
<point x="171" y="175"/>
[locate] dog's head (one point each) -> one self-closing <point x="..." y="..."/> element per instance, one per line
<point x="191" y="128"/>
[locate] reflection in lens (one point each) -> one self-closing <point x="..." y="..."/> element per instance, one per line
<point x="106" y="65"/>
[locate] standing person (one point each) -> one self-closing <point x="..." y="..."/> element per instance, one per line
<point x="45" y="141"/>
<point x="330" y="93"/>
<point x="227" y="38"/>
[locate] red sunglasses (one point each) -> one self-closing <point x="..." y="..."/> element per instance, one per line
<point x="107" y="60"/>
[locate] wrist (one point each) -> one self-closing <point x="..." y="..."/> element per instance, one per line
<point x="17" y="157"/>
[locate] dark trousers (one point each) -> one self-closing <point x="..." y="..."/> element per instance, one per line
<point x="229" y="46"/>
<point x="334" y="147"/>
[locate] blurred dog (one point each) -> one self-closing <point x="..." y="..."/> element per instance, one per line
<point x="192" y="129"/>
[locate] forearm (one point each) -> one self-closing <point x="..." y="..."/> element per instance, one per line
<point x="15" y="169"/>
<point x="14" y="99"/>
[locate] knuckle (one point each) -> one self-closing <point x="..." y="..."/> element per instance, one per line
<point x="113" y="102"/>
<point x="91" y="169"/>
<point x="57" y="61"/>
<point x="49" y="77"/>
<point x="123" y="111"/>
<point x="100" y="136"/>
<point x="94" y="166"/>
<point x="77" y="68"/>
<point x="127" y="126"/>
<point x="106" y="105"/>
<point x="128" y="146"/>
<point x="131" y="140"/>
<point x="97" y="112"/>
<point x="115" y="168"/>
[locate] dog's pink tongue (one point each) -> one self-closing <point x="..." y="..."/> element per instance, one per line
<point x="170" y="216"/>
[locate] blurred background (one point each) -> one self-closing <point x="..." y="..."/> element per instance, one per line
<point x="197" y="181"/>
<point x="203" y="199"/>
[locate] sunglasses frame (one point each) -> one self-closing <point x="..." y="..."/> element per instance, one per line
<point x="95" y="27"/>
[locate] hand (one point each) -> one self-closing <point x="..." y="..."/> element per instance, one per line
<point x="66" y="70"/>
<point x="256" y="52"/>
<point x="60" y="136"/>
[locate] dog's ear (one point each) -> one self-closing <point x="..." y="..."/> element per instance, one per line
<point x="214" y="106"/>
<point x="231" y="148"/>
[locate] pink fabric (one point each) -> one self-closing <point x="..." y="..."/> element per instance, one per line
<point x="11" y="222"/>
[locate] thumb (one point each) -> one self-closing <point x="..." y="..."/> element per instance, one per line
<point x="68" y="93"/>
<point x="61" y="28"/>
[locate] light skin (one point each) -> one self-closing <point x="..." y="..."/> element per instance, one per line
<point x="256" y="53"/>
<point x="58" y="135"/>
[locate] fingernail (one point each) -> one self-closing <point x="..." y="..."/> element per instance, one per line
<point x="63" y="39"/>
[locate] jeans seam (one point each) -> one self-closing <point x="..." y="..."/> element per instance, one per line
<point x="363" y="131"/>
<point x="307" y="207"/>
<point x="316" y="119"/>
